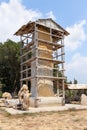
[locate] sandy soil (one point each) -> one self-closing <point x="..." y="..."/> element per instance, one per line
<point x="66" y="120"/>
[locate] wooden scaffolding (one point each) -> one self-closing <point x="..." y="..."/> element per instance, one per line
<point x="42" y="57"/>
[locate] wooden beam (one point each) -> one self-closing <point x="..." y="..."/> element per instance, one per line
<point x="51" y="43"/>
<point x="25" y="70"/>
<point x="28" y="45"/>
<point x="46" y="77"/>
<point x="50" y="77"/>
<point x="28" y="61"/>
<point x="57" y="36"/>
<point x="51" y="60"/>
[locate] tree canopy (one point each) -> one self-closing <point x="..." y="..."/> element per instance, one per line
<point x="9" y="66"/>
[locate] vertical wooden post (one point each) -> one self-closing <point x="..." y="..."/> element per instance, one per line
<point x="36" y="45"/>
<point x="50" y="34"/>
<point x="62" y="58"/>
<point x="27" y="69"/>
<point x="57" y="85"/>
<point x="21" y="60"/>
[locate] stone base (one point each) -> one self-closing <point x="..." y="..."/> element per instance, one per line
<point x="46" y="101"/>
<point x="39" y="102"/>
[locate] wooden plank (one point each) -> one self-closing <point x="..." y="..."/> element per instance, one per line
<point x="46" y="77"/>
<point x="25" y="29"/>
<point x="42" y="49"/>
<point x="51" y="60"/>
<point x="25" y="70"/>
<point x="27" y="78"/>
<point x="57" y="36"/>
<point x="26" y="53"/>
<point x="50" y="77"/>
<point x="51" y="68"/>
<point x="51" y="43"/>
<point x="28" y="45"/>
<point x="28" y="61"/>
<point x="63" y="53"/>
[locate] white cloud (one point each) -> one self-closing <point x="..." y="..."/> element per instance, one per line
<point x="76" y="37"/>
<point x="51" y="15"/>
<point x="13" y="15"/>
<point x="77" y="68"/>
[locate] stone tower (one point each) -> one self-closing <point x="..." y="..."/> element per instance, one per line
<point x="42" y="57"/>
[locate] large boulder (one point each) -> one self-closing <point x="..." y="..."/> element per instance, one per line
<point x="83" y="99"/>
<point x="6" y="95"/>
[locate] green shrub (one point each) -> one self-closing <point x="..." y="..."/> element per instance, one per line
<point x="0" y="94"/>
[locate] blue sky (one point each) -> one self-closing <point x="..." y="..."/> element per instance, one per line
<point x="70" y="14"/>
<point x="66" y="12"/>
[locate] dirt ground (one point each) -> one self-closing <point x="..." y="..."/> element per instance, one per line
<point x="66" y="120"/>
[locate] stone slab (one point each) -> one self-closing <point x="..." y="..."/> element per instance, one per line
<point x="45" y="109"/>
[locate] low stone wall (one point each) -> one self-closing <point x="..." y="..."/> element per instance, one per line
<point x="46" y="101"/>
<point x="50" y="101"/>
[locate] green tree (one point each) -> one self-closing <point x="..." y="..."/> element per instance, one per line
<point x="75" y="81"/>
<point x="9" y="66"/>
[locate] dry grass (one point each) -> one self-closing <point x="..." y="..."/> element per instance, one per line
<point x="66" y="120"/>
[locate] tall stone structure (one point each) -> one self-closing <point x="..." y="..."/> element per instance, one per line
<point x="42" y="56"/>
